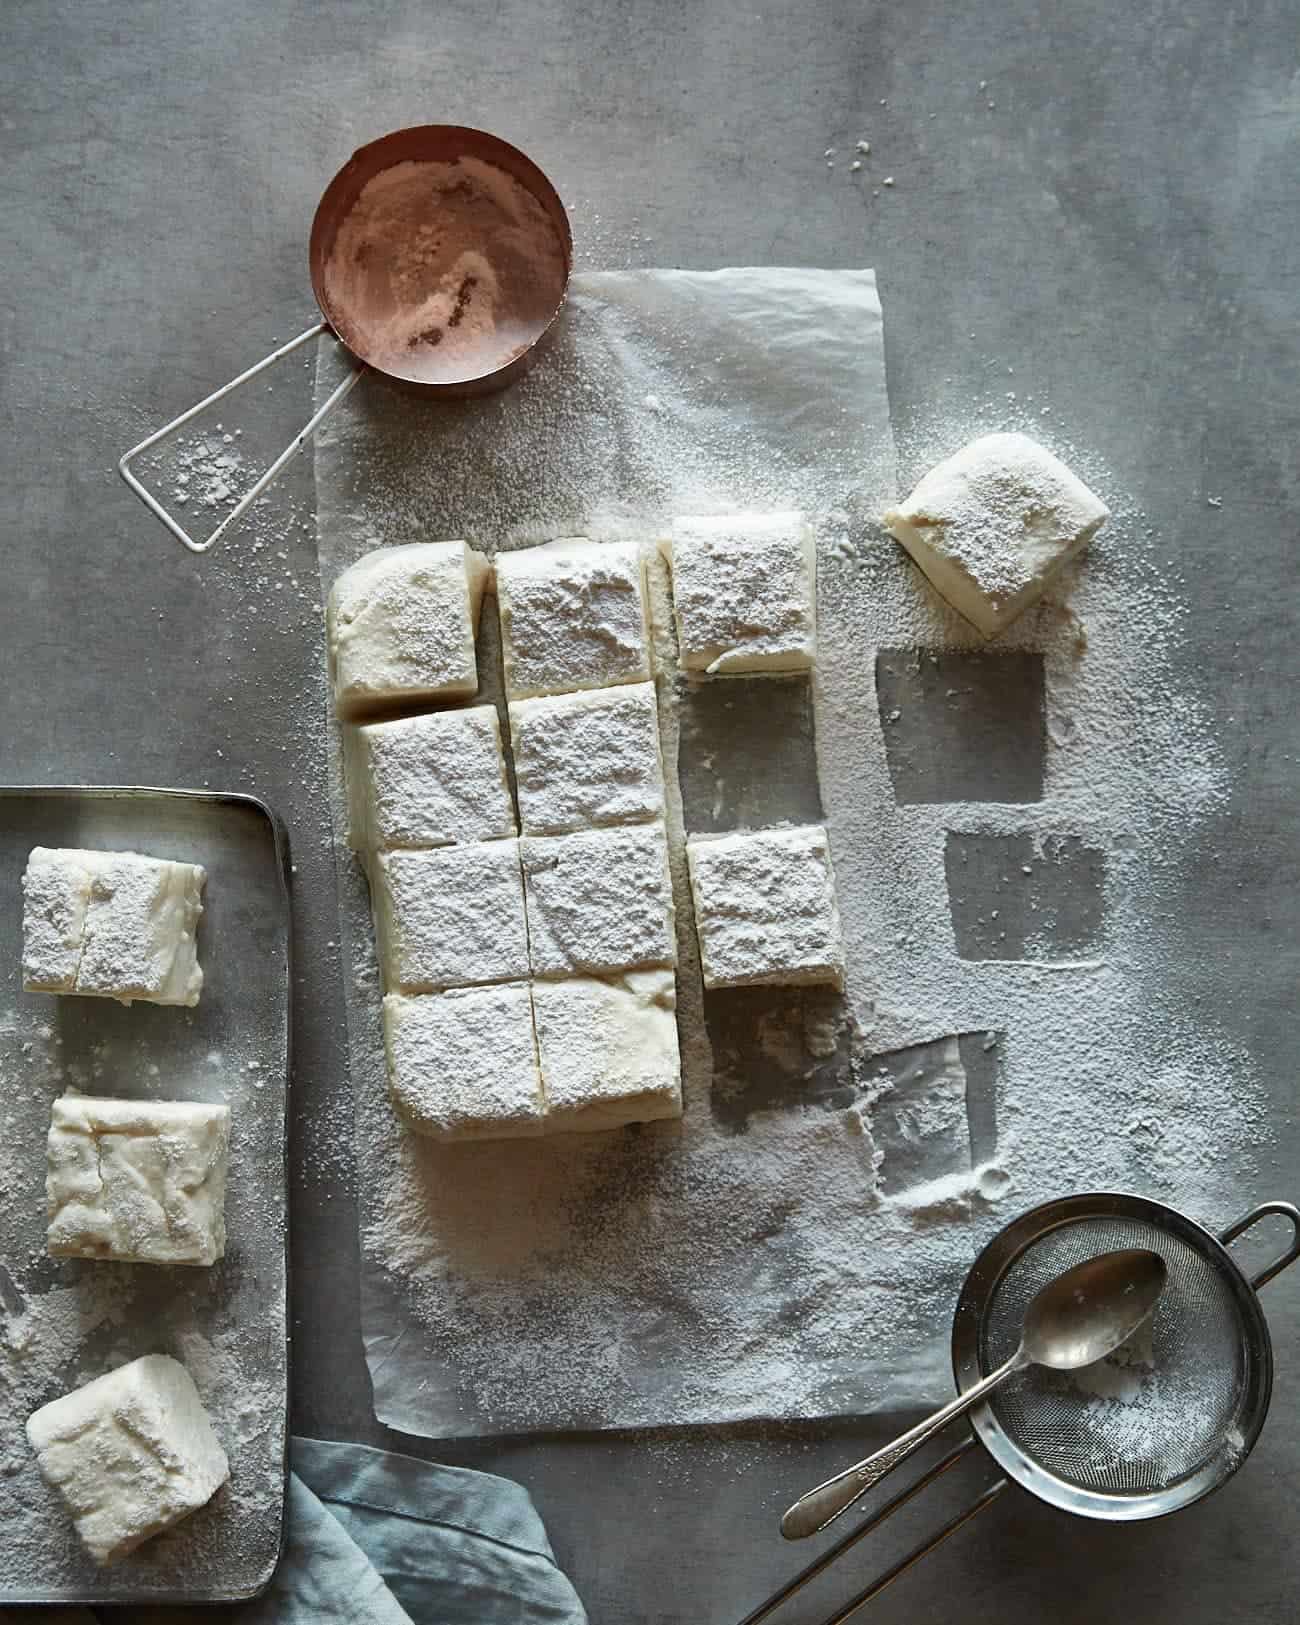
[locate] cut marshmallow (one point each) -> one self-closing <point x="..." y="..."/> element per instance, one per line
<point x="992" y="525"/>
<point x="462" y="1065"/>
<point x="139" y="1180"/>
<point x="599" y="902"/>
<point x="608" y="1051"/>
<point x="113" y="925"/>
<point x="765" y="908"/>
<point x="745" y="592"/>
<point x="572" y="617"/>
<point x="450" y="917"/>
<point x="131" y="1453"/>
<point x="588" y="759"/>
<point x="432" y="780"/>
<point x="401" y="624"/>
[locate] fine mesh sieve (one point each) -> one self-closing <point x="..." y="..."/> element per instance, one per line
<point x="1172" y="1433"/>
<point x="1157" y="1428"/>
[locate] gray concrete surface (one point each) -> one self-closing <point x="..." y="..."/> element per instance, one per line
<point x="1121" y="227"/>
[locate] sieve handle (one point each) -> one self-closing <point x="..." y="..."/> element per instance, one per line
<point x="812" y="1512"/>
<point x="250" y="496"/>
<point x="1283" y="1210"/>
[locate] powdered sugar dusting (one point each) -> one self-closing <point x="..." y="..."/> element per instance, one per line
<point x="740" y="1264"/>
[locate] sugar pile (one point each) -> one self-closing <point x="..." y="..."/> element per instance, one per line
<point x="775" y="1269"/>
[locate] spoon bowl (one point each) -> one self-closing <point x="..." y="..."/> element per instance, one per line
<point x="1085" y="1314"/>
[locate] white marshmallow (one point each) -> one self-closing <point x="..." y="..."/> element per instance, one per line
<point x="114" y="925"/>
<point x="599" y="902"/>
<point x="572" y="616"/>
<point x="765" y="908"/>
<point x="131" y="1453"/>
<point x="991" y="526"/>
<point x="608" y="1051"/>
<point x="401" y="624"/>
<point x="432" y="780"/>
<point x="745" y="592"/>
<point x="450" y="916"/>
<point x="462" y="1065"/>
<point x="138" y="1180"/>
<point x="587" y="759"/>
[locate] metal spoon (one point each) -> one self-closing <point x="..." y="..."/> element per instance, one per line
<point x="1075" y="1320"/>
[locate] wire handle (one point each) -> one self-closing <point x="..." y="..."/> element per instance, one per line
<point x="1283" y="1210"/>
<point x="812" y="1512"/>
<point x="286" y="456"/>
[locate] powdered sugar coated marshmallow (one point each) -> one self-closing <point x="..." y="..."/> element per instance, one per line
<point x="587" y="759"/>
<point x="744" y="592"/>
<point x="572" y="616"/>
<point x="993" y="524"/>
<point x="114" y="925"/>
<point x="599" y="902"/>
<point x="401" y="624"/>
<point x="462" y="1065"/>
<point x="765" y="907"/>
<point x="608" y="1050"/>
<point x="131" y="1453"/>
<point x="450" y="916"/>
<point x="143" y="1181"/>
<point x="433" y="780"/>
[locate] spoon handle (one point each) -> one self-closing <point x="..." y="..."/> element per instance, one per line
<point x="821" y="1506"/>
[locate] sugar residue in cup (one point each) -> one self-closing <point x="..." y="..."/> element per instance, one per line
<point x="444" y="271"/>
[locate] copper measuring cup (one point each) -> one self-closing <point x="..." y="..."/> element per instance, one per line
<point x="440" y="143"/>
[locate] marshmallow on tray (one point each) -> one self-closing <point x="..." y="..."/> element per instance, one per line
<point x="401" y="623"/>
<point x="744" y="592"/>
<point x="588" y="759"/>
<point x="143" y="1181"/>
<point x="114" y="925"/>
<point x="433" y="780"/>
<point x="572" y="616"/>
<point x="765" y="908"/>
<point x="993" y="524"/>
<point x="131" y="1454"/>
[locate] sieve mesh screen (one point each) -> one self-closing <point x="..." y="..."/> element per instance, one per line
<point x="1151" y="1416"/>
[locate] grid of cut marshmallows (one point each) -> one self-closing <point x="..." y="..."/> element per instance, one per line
<point x="528" y="961"/>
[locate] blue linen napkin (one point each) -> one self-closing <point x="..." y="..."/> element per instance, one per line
<point x="376" y="1538"/>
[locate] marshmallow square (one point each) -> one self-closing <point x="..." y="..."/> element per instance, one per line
<point x="765" y="908"/>
<point x="450" y="917"/>
<point x="139" y="1180"/>
<point x="993" y="524"/>
<point x="400" y="625"/>
<point x="114" y="925"/>
<point x="462" y="1065"/>
<point x="608" y="1050"/>
<point x="433" y="780"/>
<point x="599" y="902"/>
<point x="131" y="1453"/>
<point x="587" y="759"/>
<point x="745" y="592"/>
<point x="572" y="616"/>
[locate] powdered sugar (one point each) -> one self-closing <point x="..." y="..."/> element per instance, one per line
<point x="760" y="1259"/>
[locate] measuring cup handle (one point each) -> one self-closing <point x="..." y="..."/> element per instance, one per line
<point x="287" y="455"/>
<point x="1283" y="1210"/>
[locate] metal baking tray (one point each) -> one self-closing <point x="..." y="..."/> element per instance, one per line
<point x="65" y="1321"/>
